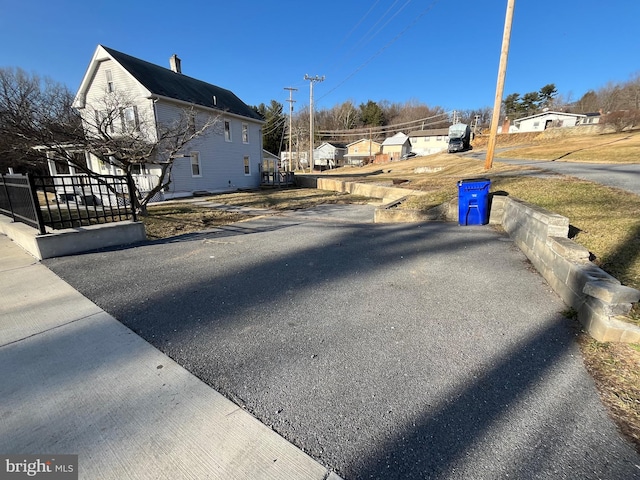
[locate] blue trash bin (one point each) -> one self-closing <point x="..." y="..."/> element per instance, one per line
<point x="473" y="201"/>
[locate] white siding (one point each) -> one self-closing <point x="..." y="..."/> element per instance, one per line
<point x="429" y="145"/>
<point x="222" y="162"/>
<point x="538" y="124"/>
<point x="126" y="92"/>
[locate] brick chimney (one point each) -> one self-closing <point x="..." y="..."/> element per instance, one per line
<point x="174" y="62"/>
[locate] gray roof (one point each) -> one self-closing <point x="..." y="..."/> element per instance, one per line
<point x="429" y="133"/>
<point x="164" y="82"/>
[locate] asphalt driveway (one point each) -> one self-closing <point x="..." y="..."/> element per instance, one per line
<point x="384" y="351"/>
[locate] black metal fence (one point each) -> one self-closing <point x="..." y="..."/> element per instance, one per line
<point x="66" y="201"/>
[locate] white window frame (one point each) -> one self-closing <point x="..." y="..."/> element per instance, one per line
<point x="227" y="131"/>
<point x="129" y="124"/>
<point x="195" y="162"/>
<point x="109" y="77"/>
<point x="246" y="163"/>
<point x="245" y="133"/>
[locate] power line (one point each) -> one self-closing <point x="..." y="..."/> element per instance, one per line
<point x="409" y="27"/>
<point x="383" y="128"/>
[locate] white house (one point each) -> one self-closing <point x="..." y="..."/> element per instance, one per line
<point x="396" y="146"/>
<point x="549" y="119"/>
<point x="428" y="142"/>
<point x="227" y="158"/>
<point x="329" y="155"/>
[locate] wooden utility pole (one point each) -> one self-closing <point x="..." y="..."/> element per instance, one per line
<point x="291" y="102"/>
<point x="502" y="72"/>
<point x="311" y="82"/>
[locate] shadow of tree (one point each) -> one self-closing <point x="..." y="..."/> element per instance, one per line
<point x="385" y="351"/>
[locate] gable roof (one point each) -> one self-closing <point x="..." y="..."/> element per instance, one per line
<point x="429" y="133"/>
<point x="398" y="139"/>
<point x="167" y="83"/>
<point x="373" y="142"/>
<point x="332" y="144"/>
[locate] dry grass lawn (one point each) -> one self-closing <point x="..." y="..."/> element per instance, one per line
<point x="604" y="148"/>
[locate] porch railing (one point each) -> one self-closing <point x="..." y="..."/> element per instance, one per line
<point x="66" y="201"/>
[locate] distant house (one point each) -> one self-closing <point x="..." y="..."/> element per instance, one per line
<point x="396" y="146"/>
<point x="549" y="119"/>
<point x="428" y="142"/>
<point x="361" y="152"/>
<point x="226" y="159"/>
<point x="329" y="155"/>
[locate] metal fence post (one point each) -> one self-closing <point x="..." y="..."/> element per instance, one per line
<point x="36" y="203"/>
<point x="130" y="186"/>
<point x="6" y="192"/>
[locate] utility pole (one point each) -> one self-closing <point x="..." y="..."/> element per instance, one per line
<point x="312" y="80"/>
<point x="502" y="72"/>
<point x="291" y="102"/>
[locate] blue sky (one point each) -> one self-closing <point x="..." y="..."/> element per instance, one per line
<point x="441" y="52"/>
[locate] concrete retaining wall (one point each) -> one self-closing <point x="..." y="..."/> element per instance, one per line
<point x="387" y="194"/>
<point x="597" y="296"/>
<point x="72" y="240"/>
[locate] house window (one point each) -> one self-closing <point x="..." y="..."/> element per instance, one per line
<point x="129" y="119"/>
<point x="227" y="130"/>
<point x="245" y="133"/>
<point x="195" y="164"/>
<point x="247" y="166"/>
<point x="61" y="167"/>
<point x="136" y="169"/>
<point x="536" y="124"/>
<point x="110" y="88"/>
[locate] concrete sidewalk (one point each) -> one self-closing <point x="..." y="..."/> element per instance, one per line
<point x="76" y="381"/>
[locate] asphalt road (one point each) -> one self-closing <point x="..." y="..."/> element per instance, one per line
<point x="384" y="351"/>
<point x="623" y="176"/>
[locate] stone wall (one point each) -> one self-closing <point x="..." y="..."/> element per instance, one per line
<point x="597" y="297"/>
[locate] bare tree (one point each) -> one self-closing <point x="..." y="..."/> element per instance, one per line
<point x="36" y="113"/>
<point x="32" y="110"/>
<point x="621" y="120"/>
<point x="118" y="133"/>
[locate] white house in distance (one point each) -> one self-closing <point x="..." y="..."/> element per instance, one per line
<point x="225" y="159"/>
<point x="396" y="146"/>
<point x="330" y="155"/>
<point x="428" y="142"/>
<point x="549" y="119"/>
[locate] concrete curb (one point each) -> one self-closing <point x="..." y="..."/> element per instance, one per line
<point x="72" y="240"/>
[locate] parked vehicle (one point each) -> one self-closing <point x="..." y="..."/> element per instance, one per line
<point x="459" y="138"/>
<point x="409" y="155"/>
